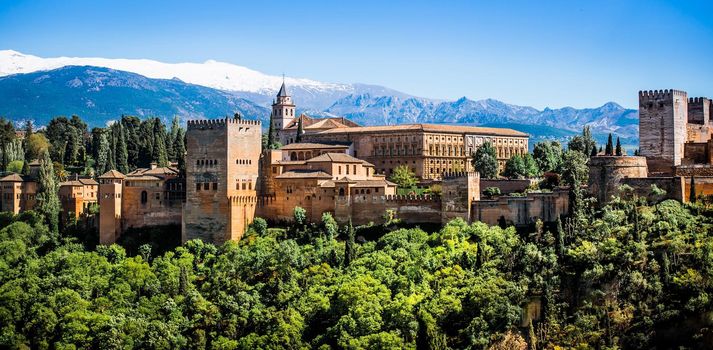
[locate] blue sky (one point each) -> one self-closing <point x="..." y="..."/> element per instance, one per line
<point x="538" y="53"/>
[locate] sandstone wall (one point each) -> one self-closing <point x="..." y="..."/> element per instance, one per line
<point x="607" y="172"/>
<point x="673" y="185"/>
<point x="519" y="211"/>
<point x="663" y="115"/>
<point x="506" y="186"/>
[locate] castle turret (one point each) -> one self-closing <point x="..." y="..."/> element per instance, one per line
<point x="458" y="191"/>
<point x="663" y="115"/>
<point x="222" y="165"/>
<point x="110" y="188"/>
<point x="283" y="112"/>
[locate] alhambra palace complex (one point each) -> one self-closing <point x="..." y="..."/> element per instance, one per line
<point x="342" y="168"/>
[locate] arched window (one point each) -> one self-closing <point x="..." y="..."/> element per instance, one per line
<point x="144" y="197"/>
<point x="293" y="156"/>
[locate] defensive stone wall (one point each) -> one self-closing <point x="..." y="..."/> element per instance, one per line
<point x="506" y="185"/>
<point x="607" y="172"/>
<point x="521" y="211"/>
<point x="673" y="185"/>
<point x="699" y="110"/>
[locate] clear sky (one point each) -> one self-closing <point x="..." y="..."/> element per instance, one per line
<point x="538" y="53"/>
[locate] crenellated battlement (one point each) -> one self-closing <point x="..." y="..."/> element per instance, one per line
<point x="414" y="198"/>
<point x="202" y="124"/>
<point x="460" y="174"/>
<point x="697" y="100"/>
<point x="242" y="199"/>
<point x="646" y="95"/>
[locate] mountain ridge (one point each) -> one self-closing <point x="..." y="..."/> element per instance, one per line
<point x="193" y="88"/>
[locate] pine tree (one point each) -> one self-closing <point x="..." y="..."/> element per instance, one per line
<point x="300" y="131"/>
<point x="122" y="154"/>
<point x="349" y="245"/>
<point x="47" y="199"/>
<point x="692" y="191"/>
<point x="619" y="151"/>
<point x="610" y="147"/>
<point x="102" y="154"/>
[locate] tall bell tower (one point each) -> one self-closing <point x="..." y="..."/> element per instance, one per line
<point x="283" y="111"/>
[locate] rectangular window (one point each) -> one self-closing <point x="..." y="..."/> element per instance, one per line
<point x="198" y="186"/>
<point x="215" y="186"/>
<point x="206" y="186"/>
<point x="354" y="169"/>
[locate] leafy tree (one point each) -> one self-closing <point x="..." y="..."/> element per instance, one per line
<point x="35" y="145"/>
<point x="15" y="166"/>
<point x="47" y="200"/>
<point x="404" y="177"/>
<point x="259" y="225"/>
<point x="514" y="167"/>
<point x="548" y="155"/>
<point x="485" y="161"/>
<point x="583" y="143"/>
<point x="574" y="168"/>
<point x="491" y="192"/>
<point x="330" y="225"/>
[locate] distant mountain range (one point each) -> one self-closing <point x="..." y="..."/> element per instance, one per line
<point x="101" y="90"/>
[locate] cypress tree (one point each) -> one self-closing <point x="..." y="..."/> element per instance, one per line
<point x="619" y="151"/>
<point x="159" y="146"/>
<point x="692" y="191"/>
<point x="594" y="151"/>
<point x="349" y="245"/>
<point x="47" y="199"/>
<point x="171" y="140"/>
<point x="26" y="168"/>
<point x="300" y="131"/>
<point x="560" y="237"/>
<point x="122" y="154"/>
<point x="179" y="149"/>
<point x="610" y="147"/>
<point x="270" y="135"/>
<point x="102" y="154"/>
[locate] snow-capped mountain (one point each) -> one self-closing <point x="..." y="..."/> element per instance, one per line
<point x="214" y="74"/>
<point x="99" y="89"/>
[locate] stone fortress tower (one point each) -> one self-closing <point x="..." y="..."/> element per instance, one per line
<point x="110" y="190"/>
<point x="222" y="168"/>
<point x="283" y="112"/>
<point x="663" y="116"/>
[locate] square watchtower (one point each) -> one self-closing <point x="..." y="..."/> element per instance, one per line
<point x="222" y="164"/>
<point x="663" y="115"/>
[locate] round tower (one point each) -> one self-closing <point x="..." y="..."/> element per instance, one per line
<point x="607" y="172"/>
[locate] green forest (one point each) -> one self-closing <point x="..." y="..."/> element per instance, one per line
<point x="633" y="275"/>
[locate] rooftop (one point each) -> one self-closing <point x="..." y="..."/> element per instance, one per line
<point x="338" y="157"/>
<point x="304" y="174"/>
<point x="309" y="145"/>
<point x="444" y="128"/>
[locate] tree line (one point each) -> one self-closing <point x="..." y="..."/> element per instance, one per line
<point x="634" y="274"/>
<point x="124" y="145"/>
